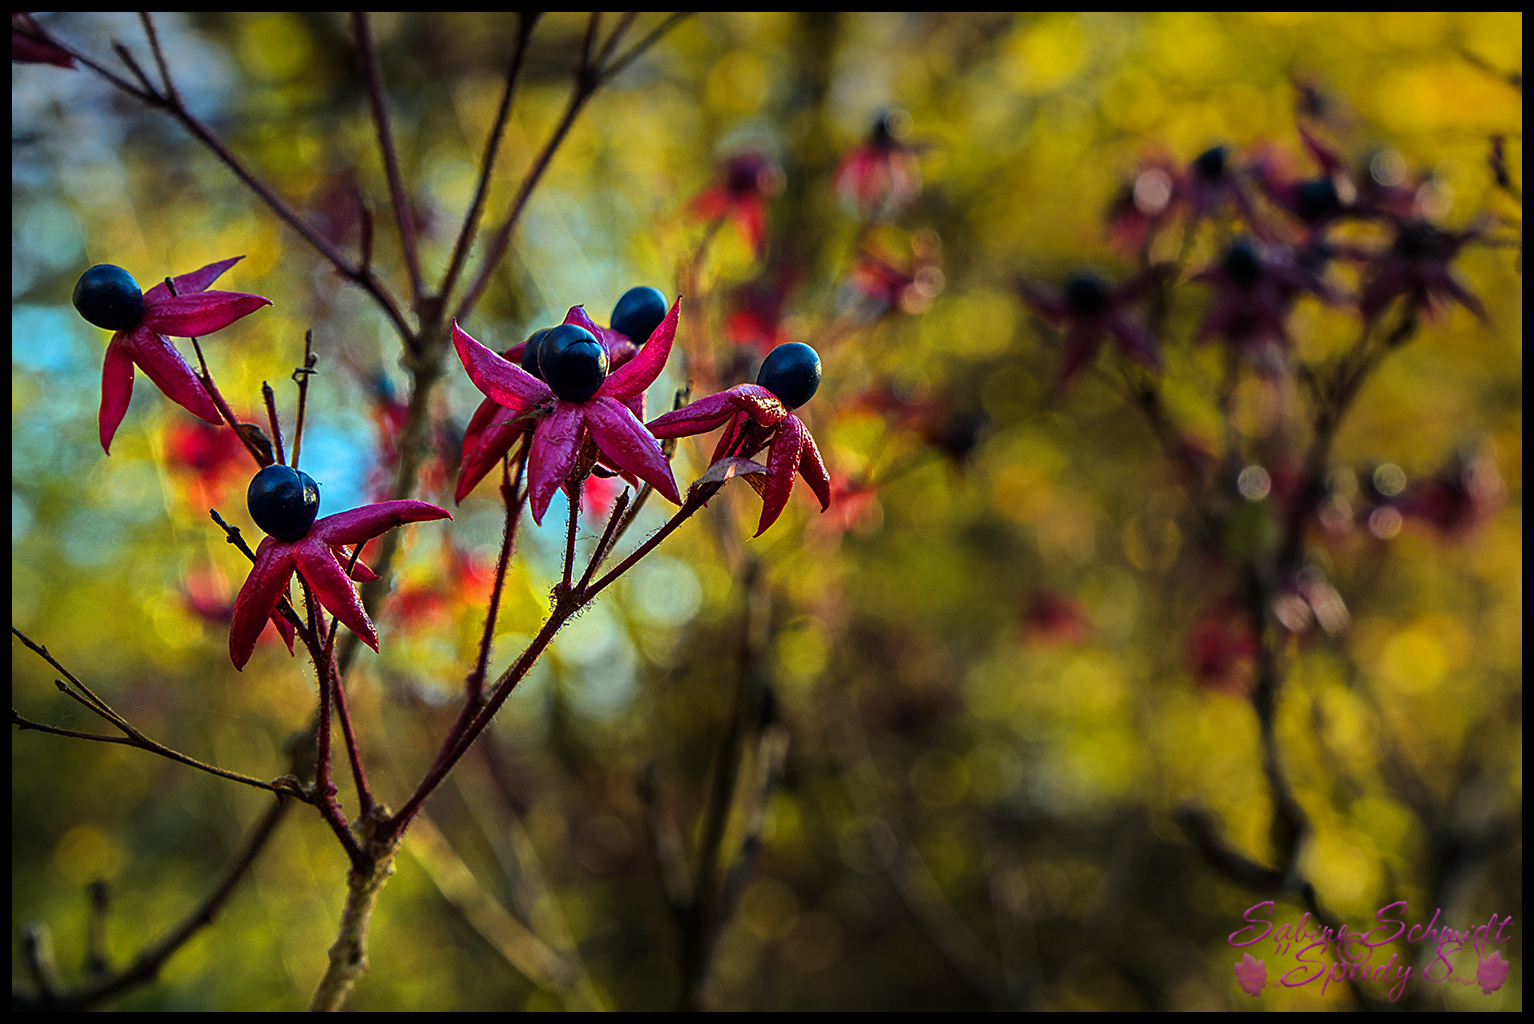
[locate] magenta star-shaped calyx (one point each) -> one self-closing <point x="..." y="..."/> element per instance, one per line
<point x="140" y="325"/>
<point x="607" y="416"/>
<point x="493" y="428"/>
<point x="1090" y="307"/>
<point x="1255" y="286"/>
<point x="317" y="557"/>
<point x="755" y="417"/>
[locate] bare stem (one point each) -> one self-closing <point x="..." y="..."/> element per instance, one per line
<point x="525" y="22"/>
<point x="270" y="398"/>
<point x="568" y="601"/>
<point x="600" y="553"/>
<point x="378" y="101"/>
<point x="172" y="104"/>
<point x="146" y="966"/>
<point x="159" y="56"/>
<point x="83" y="695"/>
<point x="475" y="685"/>
<point x="324" y="787"/>
<point x="587" y="80"/>
<point x="370" y="872"/>
<point x="301" y="377"/>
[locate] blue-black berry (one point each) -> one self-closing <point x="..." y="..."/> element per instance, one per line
<point x="108" y="297"/>
<point x="283" y="502"/>
<point x="638" y="313"/>
<point x="530" y="352"/>
<point x="1087" y="293"/>
<point x="1317" y="198"/>
<point x="792" y="372"/>
<point x="573" y="361"/>
<point x="1210" y="164"/>
<point x="1241" y="263"/>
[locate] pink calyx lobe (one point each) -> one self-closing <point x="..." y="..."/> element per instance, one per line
<point x="191" y="311"/>
<point x="317" y="557"/>
<point x="608" y="416"/>
<point x="755" y="417"/>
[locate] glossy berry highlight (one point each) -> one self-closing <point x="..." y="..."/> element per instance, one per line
<point x="573" y="362"/>
<point x="283" y="502"/>
<point x="530" y="352"/>
<point x="638" y="312"/>
<point x="792" y="372"/>
<point x="108" y="297"/>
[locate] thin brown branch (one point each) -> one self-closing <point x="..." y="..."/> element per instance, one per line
<point x="324" y="786"/>
<point x="474" y="686"/>
<point x="159" y="56"/>
<point x="589" y="39"/>
<point x="501" y="241"/>
<point x="269" y="397"/>
<point x="525" y="23"/>
<point x="573" y="493"/>
<point x="343" y="712"/>
<point x="378" y="101"/>
<point x="146" y="966"/>
<point x="131" y="735"/>
<point x="173" y="106"/>
<point x="301" y="377"/>
<point x="616" y="36"/>
<point x="696" y="498"/>
<point x="126" y="56"/>
<point x="37" y="35"/>
<point x="599" y="554"/>
<point x="588" y="80"/>
<point x="633" y="53"/>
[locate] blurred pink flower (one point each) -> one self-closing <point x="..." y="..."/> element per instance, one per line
<point x="1416" y="266"/>
<point x="879" y="178"/>
<point x="750" y="181"/>
<point x="1089" y="307"/>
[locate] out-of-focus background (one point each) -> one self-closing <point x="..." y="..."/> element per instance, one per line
<point x="988" y="670"/>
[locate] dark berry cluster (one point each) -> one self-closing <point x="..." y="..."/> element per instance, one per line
<point x="638" y="312"/>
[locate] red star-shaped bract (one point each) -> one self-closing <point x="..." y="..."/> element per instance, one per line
<point x="317" y="557"/>
<point x="755" y="415"/>
<point x="1089" y="309"/>
<point x="608" y="415"/>
<point x="192" y="311"/>
<point x="30" y="43"/>
<point x="879" y="178"/>
<point x="493" y="428"/>
<point x="1254" y="290"/>
<point x="1210" y="181"/>
<point x="750" y="180"/>
<point x="1417" y="266"/>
